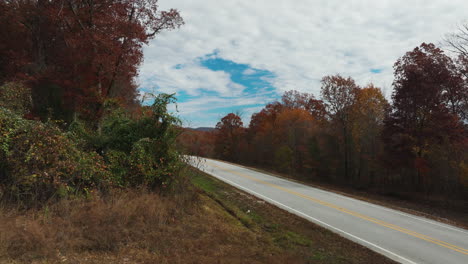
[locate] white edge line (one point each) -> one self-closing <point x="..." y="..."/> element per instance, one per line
<point x="352" y="237"/>
<point x="420" y="218"/>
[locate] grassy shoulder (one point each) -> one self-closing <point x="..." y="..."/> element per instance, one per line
<point x="209" y="222"/>
<point x="281" y="231"/>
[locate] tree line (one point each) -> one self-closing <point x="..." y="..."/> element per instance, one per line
<point x="352" y="135"/>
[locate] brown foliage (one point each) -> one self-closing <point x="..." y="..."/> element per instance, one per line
<point x="75" y="54"/>
<point x="198" y="143"/>
<point x="339" y="96"/>
<point x="424" y="118"/>
<point x="230" y="134"/>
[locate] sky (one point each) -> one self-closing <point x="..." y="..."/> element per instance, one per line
<point x="239" y="55"/>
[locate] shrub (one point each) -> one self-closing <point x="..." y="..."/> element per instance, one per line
<point x="40" y="162"/>
<point x="153" y="165"/>
<point x="118" y="163"/>
<point x="141" y="151"/>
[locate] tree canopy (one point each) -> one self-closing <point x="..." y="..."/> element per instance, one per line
<point x="76" y="54"/>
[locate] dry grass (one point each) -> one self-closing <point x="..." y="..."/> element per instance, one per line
<point x="214" y="223"/>
<point x="131" y="227"/>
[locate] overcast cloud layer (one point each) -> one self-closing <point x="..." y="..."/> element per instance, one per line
<point x="298" y="41"/>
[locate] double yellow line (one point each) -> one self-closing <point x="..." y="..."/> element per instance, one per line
<point x="344" y="210"/>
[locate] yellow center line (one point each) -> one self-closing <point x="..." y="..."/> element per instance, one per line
<point x="344" y="210"/>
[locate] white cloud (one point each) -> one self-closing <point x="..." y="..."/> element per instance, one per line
<point x="249" y="71"/>
<point x="299" y="41"/>
<point x="191" y="78"/>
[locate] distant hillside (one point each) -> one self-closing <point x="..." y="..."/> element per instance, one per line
<point x="206" y="129"/>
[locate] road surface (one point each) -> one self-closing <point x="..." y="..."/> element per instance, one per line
<point x="402" y="237"/>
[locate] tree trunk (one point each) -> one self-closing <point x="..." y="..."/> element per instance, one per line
<point x="346" y="165"/>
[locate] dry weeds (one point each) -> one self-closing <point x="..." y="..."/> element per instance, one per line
<point x="130" y="227"/>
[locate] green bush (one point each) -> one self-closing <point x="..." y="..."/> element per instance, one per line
<point x="153" y="165"/>
<point x="39" y="162"/>
<point x="119" y="164"/>
<point x="141" y="151"/>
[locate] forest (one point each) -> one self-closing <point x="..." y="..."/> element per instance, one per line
<point x="351" y="135"/>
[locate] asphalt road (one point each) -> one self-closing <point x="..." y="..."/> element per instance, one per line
<point x="402" y="237"/>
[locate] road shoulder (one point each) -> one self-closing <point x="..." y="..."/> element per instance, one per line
<point x="293" y="234"/>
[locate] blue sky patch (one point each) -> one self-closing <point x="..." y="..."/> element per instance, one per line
<point x="243" y="74"/>
<point x="376" y="70"/>
<point x="211" y="106"/>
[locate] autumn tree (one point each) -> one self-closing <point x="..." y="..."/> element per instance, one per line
<point x="76" y="54"/>
<point x="339" y="96"/>
<point x="421" y="116"/>
<point x="368" y="113"/>
<point x="302" y="118"/>
<point x="306" y="101"/>
<point x="260" y="136"/>
<point x="198" y="143"/>
<point x="293" y="129"/>
<point x="229" y="137"/>
<point x="279" y="136"/>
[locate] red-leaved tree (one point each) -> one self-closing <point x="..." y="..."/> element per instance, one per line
<point x="76" y="54"/>
<point x="421" y="116"/>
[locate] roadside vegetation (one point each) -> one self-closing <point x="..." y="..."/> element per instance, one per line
<point x="72" y="123"/>
<point x="210" y="222"/>
<point x="131" y="226"/>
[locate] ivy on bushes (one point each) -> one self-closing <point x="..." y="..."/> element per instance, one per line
<point x="140" y="150"/>
<point x="39" y="161"/>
